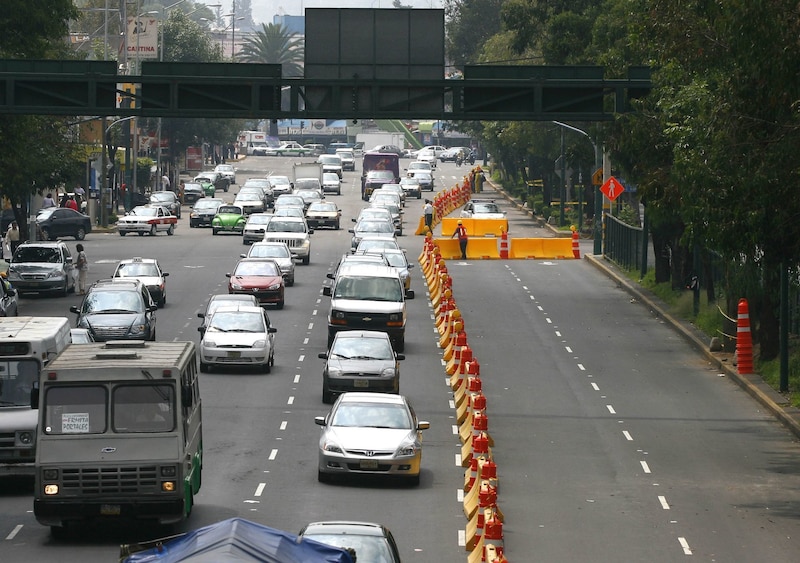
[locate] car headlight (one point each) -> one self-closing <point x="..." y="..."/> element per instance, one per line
<point x="337" y="314"/>
<point x="334" y="372"/>
<point x="137" y="329"/>
<point x="209" y="344"/>
<point x="332" y="447"/>
<point x="13" y="275"/>
<point x="194" y="215"/>
<point x="396" y="317"/>
<point x="260" y="344"/>
<point x="387" y="372"/>
<point x="55" y="274"/>
<point x="407" y="448"/>
<point x="235" y="285"/>
<point x="274" y="286"/>
<point x="306" y="242"/>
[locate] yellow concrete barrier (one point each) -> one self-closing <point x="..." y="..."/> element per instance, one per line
<point x="449" y="249"/>
<point x="540" y="248"/>
<point x="475" y="227"/>
<point x="477" y="248"/>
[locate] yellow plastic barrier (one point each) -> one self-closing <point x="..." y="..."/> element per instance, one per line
<point x="540" y="248"/>
<point x="477" y="248"/>
<point x="475" y="227"/>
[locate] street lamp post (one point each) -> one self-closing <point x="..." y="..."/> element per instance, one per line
<point x="598" y="196"/>
<point x="232" y="25"/>
<point x="105" y="204"/>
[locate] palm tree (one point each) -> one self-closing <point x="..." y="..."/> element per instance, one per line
<point x="274" y="45"/>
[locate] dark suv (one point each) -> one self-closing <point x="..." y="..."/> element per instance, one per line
<point x="118" y="309"/>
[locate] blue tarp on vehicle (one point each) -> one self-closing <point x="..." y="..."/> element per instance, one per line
<point x="238" y="540"/>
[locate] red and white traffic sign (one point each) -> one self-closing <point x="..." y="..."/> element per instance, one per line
<point x="612" y="188"/>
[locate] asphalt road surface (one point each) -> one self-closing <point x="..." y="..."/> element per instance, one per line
<point x="614" y="440"/>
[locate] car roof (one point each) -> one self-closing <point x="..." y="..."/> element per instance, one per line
<point x="348" y="526"/>
<point x="137" y="259"/>
<point x="116" y="283"/>
<point x="243" y="308"/>
<point x="362" y="334"/>
<point x="360" y="397"/>
<point x="371" y="270"/>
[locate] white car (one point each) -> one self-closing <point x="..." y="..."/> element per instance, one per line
<point x="348" y="158"/>
<point x="254" y="228"/>
<point x="331" y="163"/>
<point x="147" y="219"/>
<point x="331" y="183"/>
<point x="277" y="251"/>
<point x="238" y="335"/>
<point x="418" y="165"/>
<point x="228" y="171"/>
<point x="482" y="209"/>
<point x="149" y="272"/>
<point x="294" y="232"/>
<point x="280" y="185"/>
<point x="289" y="149"/>
<point x="251" y="200"/>
<point x="427" y="156"/>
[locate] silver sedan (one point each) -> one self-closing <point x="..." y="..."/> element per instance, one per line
<point x="370" y="434"/>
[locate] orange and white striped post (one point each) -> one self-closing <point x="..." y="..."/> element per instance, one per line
<point x="503" y="244"/>
<point x="744" y="340"/>
<point x="576" y="249"/>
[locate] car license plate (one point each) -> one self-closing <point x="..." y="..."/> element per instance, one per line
<point x="361" y="383"/>
<point x="110" y="509"/>
<point x="369" y="464"/>
<point x="234" y="354"/>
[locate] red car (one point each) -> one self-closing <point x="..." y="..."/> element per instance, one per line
<point x="260" y="277"/>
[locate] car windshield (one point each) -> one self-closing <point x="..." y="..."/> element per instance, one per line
<point x="113" y="301"/>
<point x="375" y="227"/>
<point x="309" y="194"/>
<point x="368" y="245"/>
<point x="291" y="200"/>
<point x="362" y="349"/>
<point x="373" y="549"/>
<point x="229" y="209"/>
<point x="330" y="177"/>
<point x="144" y="211"/>
<point x="371" y="415"/>
<point x="203" y="180"/>
<point x="330" y="159"/>
<point x="207" y="204"/>
<point x="136" y="269"/>
<point x="259" y="219"/>
<point x="236" y="321"/>
<point x="163" y="196"/>
<point x="37" y="254"/>
<point x="286" y="227"/>
<point x="287" y="211"/>
<point x="486" y="208"/>
<point x="377" y="212"/>
<point x="322" y="207"/>
<point x="279" y="180"/>
<point x="396" y="259"/>
<point x="257" y="269"/>
<point x="229" y="301"/>
<point x="305" y="183"/>
<point x="269" y="251"/>
<point x="255" y="184"/>
<point x="380" y="175"/>
<point x="368" y="288"/>
<point x="422" y="176"/>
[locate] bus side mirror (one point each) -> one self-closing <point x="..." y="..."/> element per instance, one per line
<point x="186" y="396"/>
<point x="35" y="396"/>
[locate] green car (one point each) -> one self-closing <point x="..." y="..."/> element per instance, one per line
<point x="229" y="218"/>
<point x="208" y="189"/>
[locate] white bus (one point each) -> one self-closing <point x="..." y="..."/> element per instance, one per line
<point x="120" y="434"/>
<point x="27" y="344"/>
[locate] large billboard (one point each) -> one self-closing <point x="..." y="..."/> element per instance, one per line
<point x="142" y="38"/>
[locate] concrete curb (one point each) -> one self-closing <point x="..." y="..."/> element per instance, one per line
<point x="753" y="384"/>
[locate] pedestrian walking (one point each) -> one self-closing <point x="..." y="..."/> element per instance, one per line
<point x="428" y="212"/>
<point x="48" y="201"/>
<point x="463" y="239"/>
<point x="64" y="200"/>
<point x="80" y="196"/>
<point x="82" y="265"/>
<point x="12" y="237"/>
<point x="71" y="203"/>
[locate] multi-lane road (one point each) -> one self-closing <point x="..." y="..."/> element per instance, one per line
<point x="614" y="440"/>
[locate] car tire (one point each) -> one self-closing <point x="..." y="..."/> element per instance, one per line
<point x="290" y="282"/>
<point x="306" y="260"/>
<point x="280" y="304"/>
<point x="80" y="234"/>
<point x="141" y="233"/>
<point x="153" y="335"/>
<point x="414" y="481"/>
<point x="171" y="230"/>
<point x="337" y="226"/>
<point x="400" y="344"/>
<point x="214" y="231"/>
<point x="45" y="234"/>
<point x="122" y="233"/>
<point x="162" y="302"/>
<point x="192" y="225"/>
<point x="153" y="230"/>
<point x="327" y="396"/>
<point x="204" y="368"/>
<point x="323" y="477"/>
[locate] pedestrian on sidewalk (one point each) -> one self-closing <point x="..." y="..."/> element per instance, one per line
<point x="463" y="239"/>
<point x="12" y="237"/>
<point x="428" y="212"/>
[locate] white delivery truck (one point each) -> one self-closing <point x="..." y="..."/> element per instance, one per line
<point x="27" y="344"/>
<point x="372" y="140"/>
<point x="303" y="171"/>
<point x="119" y="435"/>
<point x="252" y="142"/>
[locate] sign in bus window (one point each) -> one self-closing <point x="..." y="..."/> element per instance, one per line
<point x="75" y="410"/>
<point x="16" y="381"/>
<point x="144" y="408"/>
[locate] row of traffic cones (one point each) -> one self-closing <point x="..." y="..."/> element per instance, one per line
<point x="484" y="530"/>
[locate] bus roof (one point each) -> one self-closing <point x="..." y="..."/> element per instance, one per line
<point x="121" y="357"/>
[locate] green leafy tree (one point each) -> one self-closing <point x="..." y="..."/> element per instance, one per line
<point x="35" y="156"/>
<point x="469" y="24"/>
<point x="274" y="44"/>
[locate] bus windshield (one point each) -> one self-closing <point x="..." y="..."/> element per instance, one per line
<point x="16" y="381"/>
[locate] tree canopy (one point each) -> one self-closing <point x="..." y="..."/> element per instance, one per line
<point x="274" y="44"/>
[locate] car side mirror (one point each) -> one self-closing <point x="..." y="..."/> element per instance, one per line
<point x="165" y="274"/>
<point x="400" y="356"/>
<point x="322" y="355"/>
<point x="201" y="315"/>
<point x="11" y="292"/>
<point x="227" y="275"/>
<point x="319" y="420"/>
<point x="409" y="294"/>
<point x="272" y="330"/>
<point x="74" y="309"/>
<point x="326" y="291"/>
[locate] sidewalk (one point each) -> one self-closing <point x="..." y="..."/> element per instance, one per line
<point x="768" y="397"/>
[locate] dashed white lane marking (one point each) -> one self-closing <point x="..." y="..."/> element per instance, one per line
<point x="273" y="454"/>
<point x="595" y="386"/>
<point x="301" y="358"/>
<point x="568" y="349"/>
<point x="297" y="378"/>
<point x="14" y="532"/>
<point x="549" y="320"/>
<point x="611" y="409"/>
<point x="455" y="429"/>
<point x="645" y="467"/>
<point x="310" y="326"/>
<point x="290" y="401"/>
<point x="458" y="460"/>
<point x="305" y="340"/>
<point x="284" y="424"/>
<point x="314" y="313"/>
<point x="581" y="367"/>
<point x="462" y="538"/>
<point x="260" y="489"/>
<point x="460" y="495"/>
<point x="627" y="435"/>
<point x="664" y="503"/>
<point x="685" y="545"/>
